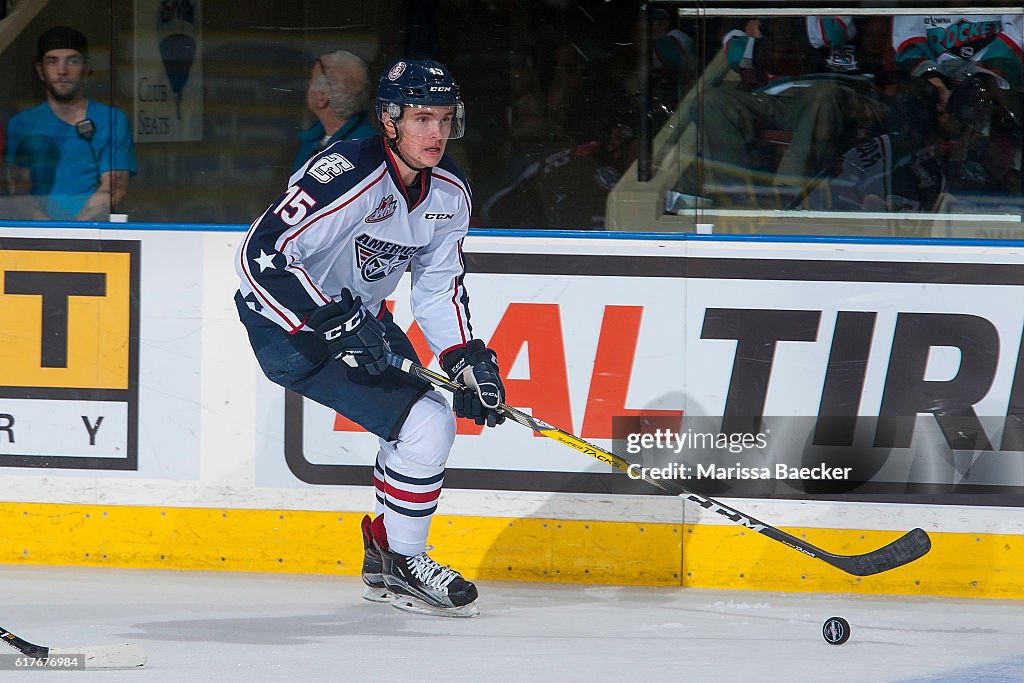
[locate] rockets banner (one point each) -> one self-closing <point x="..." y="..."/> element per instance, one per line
<point x="168" y="76"/>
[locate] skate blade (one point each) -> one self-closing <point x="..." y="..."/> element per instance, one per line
<point x="377" y="594"/>
<point x="407" y="603"/>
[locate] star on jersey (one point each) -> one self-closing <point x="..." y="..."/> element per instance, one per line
<point x="266" y="261"/>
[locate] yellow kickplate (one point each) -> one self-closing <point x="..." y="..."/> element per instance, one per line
<point x="624" y="553"/>
<point x="964" y="565"/>
<point x="331" y="543"/>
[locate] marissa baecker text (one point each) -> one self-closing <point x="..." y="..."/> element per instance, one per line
<point x="718" y="472"/>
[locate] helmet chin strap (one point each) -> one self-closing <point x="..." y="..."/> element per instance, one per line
<point x="393" y="144"/>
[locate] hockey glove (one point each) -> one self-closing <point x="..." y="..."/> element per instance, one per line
<point x="476" y="367"/>
<point x="351" y="333"/>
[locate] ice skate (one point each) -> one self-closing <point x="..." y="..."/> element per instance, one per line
<point x="375" y="589"/>
<point x="419" y="584"/>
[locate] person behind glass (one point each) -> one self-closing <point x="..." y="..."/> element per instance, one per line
<point x="339" y="96"/>
<point x="72" y="155"/>
<point x="673" y="60"/>
<point x="805" y="76"/>
<point x="315" y="270"/>
<point x="974" y="61"/>
<point x="947" y="49"/>
<point x="903" y="170"/>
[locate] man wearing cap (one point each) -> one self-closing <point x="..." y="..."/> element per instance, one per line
<point x="339" y="97"/>
<point x="73" y="155"/>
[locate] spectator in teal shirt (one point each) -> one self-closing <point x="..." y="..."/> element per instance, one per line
<point x="71" y="154"/>
<point x="339" y="96"/>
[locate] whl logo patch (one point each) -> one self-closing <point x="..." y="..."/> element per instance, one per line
<point x="378" y="258"/>
<point x="385" y="210"/>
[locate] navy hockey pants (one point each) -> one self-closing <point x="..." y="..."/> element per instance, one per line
<point x="300" y="362"/>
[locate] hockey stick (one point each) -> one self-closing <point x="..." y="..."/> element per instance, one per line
<point x="905" y="549"/>
<point x="120" y="656"/>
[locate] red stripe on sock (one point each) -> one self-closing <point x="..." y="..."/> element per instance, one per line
<point x="411" y="497"/>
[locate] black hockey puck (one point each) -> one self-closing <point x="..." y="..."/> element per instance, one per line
<point x="836" y="631"/>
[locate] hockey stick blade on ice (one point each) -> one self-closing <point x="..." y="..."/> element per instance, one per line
<point x="905" y="549"/>
<point x="118" y="656"/>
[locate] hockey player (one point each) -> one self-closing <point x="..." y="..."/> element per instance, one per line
<point x="315" y="270"/>
<point x="979" y="57"/>
<point x="946" y="49"/>
<point x="902" y="171"/>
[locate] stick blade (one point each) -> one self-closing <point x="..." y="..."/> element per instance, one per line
<point x="905" y="549"/>
<point x="119" y="656"/>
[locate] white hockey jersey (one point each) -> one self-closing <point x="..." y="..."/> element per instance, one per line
<point x="346" y="220"/>
<point x="961" y="45"/>
<point x="880" y="174"/>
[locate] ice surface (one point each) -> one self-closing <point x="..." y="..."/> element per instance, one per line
<point x="213" y="627"/>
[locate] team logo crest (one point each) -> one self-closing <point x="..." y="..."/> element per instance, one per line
<point x="396" y="71"/>
<point x="384" y="210"/>
<point x="377" y="258"/>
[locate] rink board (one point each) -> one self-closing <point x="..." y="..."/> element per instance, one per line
<point x="524" y="549"/>
<point x="164" y="445"/>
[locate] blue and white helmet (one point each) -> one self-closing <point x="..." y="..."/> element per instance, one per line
<point x="420" y="83"/>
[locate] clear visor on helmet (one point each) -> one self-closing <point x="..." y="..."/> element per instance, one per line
<point x="429" y="121"/>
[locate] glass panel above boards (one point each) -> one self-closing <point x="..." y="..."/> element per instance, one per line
<point x="838" y="121"/>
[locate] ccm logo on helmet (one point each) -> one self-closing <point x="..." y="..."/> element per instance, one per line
<point x="439" y="216"/>
<point x="440" y="88"/>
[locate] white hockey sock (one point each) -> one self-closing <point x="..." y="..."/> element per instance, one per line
<point x="414" y="473"/>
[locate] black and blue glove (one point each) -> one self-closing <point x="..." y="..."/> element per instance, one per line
<point x="352" y="334"/>
<point x="476" y="367"/>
